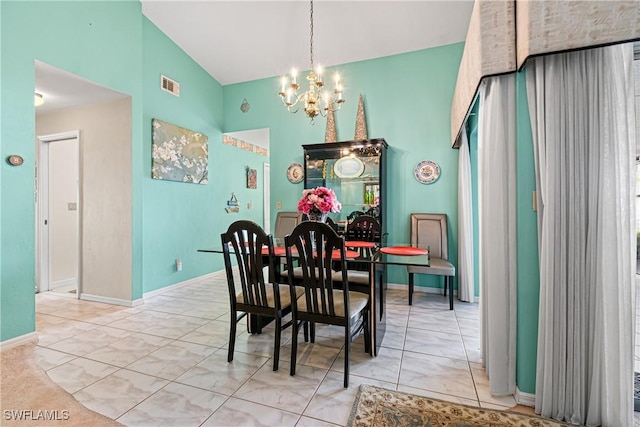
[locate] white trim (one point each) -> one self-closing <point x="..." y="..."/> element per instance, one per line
<point x="526" y="399"/>
<point x="29" y="338"/>
<point x="191" y="281"/>
<point x="108" y="300"/>
<point x="65" y="282"/>
<point x="266" y="196"/>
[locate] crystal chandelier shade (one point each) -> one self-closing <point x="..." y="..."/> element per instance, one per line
<point x="317" y="100"/>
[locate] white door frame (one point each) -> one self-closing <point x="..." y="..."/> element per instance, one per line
<point x="267" y="197"/>
<point x="43" y="271"/>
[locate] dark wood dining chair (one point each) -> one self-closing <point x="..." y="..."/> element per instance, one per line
<point x="256" y="291"/>
<point x="429" y="230"/>
<point x="362" y="235"/>
<point x="318" y="249"/>
<point x="285" y="223"/>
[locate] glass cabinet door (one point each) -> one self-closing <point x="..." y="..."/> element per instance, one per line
<point x="354" y="170"/>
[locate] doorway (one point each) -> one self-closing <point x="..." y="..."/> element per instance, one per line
<point x="58" y="179"/>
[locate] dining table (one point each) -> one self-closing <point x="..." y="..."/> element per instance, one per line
<point x="377" y="257"/>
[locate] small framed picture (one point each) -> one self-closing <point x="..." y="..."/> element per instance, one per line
<point x="252" y="178"/>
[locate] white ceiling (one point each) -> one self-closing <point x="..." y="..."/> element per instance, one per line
<point x="238" y="41"/>
<point x="61" y="89"/>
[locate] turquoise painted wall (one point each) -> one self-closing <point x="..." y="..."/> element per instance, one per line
<point x="100" y="41"/>
<point x="178" y="217"/>
<point x="527" y="246"/>
<point x="407" y="101"/>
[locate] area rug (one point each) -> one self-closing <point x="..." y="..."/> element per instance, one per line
<point x="377" y="407"/>
<point x="28" y="397"/>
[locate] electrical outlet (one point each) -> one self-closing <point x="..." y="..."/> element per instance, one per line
<point x="278" y="205"/>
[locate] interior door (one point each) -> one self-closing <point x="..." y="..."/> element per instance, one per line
<point x="58" y="213"/>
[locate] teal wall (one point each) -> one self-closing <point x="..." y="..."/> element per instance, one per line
<point x="178" y="217"/>
<point x="407" y="101"/>
<point x="85" y="44"/>
<point x="527" y="246"/>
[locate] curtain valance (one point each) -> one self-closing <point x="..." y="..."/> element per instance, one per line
<point x="540" y="27"/>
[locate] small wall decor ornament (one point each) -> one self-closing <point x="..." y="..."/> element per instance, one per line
<point x="15" y="160"/>
<point x="233" y="204"/>
<point x="361" y="122"/>
<point x="245" y="106"/>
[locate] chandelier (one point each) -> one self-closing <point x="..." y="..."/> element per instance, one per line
<point x="317" y="100"/>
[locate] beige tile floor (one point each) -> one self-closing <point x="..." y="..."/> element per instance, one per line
<point x="164" y="363"/>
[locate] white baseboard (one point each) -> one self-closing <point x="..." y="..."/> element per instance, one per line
<point x="72" y="281"/>
<point x="29" y="338"/>
<point x="140" y="301"/>
<point x="108" y="300"/>
<point x="192" y="281"/>
<point x="526" y="399"/>
<point x="424" y="289"/>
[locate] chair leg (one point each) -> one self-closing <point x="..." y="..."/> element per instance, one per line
<point x="305" y="326"/>
<point x="276" y="343"/>
<point x="347" y="344"/>
<point x="410" y="288"/>
<point x="232" y="335"/>
<point x="312" y="331"/>
<point x="450" y="292"/>
<point x="445" y="286"/>
<point x="294" y="346"/>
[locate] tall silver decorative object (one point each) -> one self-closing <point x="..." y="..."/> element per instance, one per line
<point x="361" y="122"/>
<point x="331" y="135"/>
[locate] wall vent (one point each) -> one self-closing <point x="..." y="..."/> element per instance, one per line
<point x="169" y="85"/>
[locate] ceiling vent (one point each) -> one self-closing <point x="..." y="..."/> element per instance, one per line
<point x="169" y="85"/>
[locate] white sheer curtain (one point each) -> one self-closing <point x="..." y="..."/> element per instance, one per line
<point x="497" y="223"/>
<point x="465" y="222"/>
<point x="582" y="116"/>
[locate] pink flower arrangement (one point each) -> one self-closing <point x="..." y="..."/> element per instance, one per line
<point x="319" y="200"/>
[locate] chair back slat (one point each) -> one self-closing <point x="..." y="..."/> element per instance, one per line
<point x="315" y="244"/>
<point x="244" y="242"/>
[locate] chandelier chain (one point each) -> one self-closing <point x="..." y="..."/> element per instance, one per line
<point x="318" y="100"/>
<point x="311" y="35"/>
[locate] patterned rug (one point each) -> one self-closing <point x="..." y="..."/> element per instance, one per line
<point x="377" y="407"/>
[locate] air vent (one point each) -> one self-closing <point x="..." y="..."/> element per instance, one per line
<point x="169" y="85"/>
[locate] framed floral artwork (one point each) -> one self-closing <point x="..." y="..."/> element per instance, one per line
<point x="179" y="154"/>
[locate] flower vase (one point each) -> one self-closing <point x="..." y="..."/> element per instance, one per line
<point x="318" y="217"/>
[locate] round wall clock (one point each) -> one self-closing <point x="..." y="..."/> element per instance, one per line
<point x="427" y="172"/>
<point x="295" y="173"/>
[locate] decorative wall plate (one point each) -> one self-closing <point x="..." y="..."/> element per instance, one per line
<point x="295" y="173"/>
<point x="348" y="167"/>
<point x="426" y="172"/>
